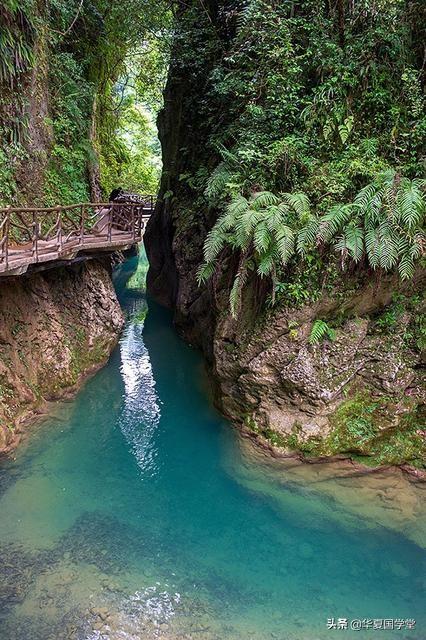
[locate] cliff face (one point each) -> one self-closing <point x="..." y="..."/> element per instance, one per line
<point x="56" y="327"/>
<point x="360" y="394"/>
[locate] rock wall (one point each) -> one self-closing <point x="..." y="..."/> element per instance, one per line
<point x="361" y="394"/>
<point x="56" y="327"/>
<point x="307" y="397"/>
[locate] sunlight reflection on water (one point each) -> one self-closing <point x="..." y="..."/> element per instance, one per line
<point x="141" y="404"/>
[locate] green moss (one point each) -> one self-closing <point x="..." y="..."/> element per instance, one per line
<point x="355" y="423"/>
<point x="365" y="427"/>
<point x="83" y="358"/>
<point x="413" y="333"/>
<point x="251" y="424"/>
<point x="7" y="395"/>
<point x="276" y="438"/>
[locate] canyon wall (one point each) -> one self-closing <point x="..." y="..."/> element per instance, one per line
<point x="360" y="394"/>
<point x="56" y="327"/>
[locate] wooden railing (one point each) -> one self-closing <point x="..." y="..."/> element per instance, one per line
<point x="29" y="236"/>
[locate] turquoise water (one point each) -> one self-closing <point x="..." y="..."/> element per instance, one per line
<point x="135" y="512"/>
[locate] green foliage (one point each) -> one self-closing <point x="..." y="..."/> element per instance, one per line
<point x="419" y="331"/>
<point x="130" y="158"/>
<point x="385" y="223"/>
<point x="365" y="426"/>
<point x="356" y="418"/>
<point x="389" y="319"/>
<point x="131" y="77"/>
<point x="320" y="330"/>
<point x="261" y="227"/>
<point x="78" y="54"/>
<point x="284" y="103"/>
<point x="17" y="34"/>
<point x="302" y="112"/>
<point x="7" y="172"/>
<point x="405" y="314"/>
<point x="66" y="174"/>
<point x="276" y="438"/>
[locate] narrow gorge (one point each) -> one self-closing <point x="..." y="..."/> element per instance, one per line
<point x="212" y="319"/>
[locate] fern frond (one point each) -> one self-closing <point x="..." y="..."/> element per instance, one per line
<point x="264" y="199"/>
<point x="299" y="202"/>
<point x="243" y="17"/>
<point x="262" y="238"/>
<point x="418" y="247"/>
<point x="333" y="221"/>
<point x="227" y="155"/>
<point x="205" y="271"/>
<point x="368" y="202"/>
<point x="410" y="205"/>
<point x="307" y="235"/>
<point x="225" y="223"/>
<point x="274" y="216"/>
<point x="266" y="264"/>
<point x="285" y="241"/>
<point x="214" y="244"/>
<point x="234" y="296"/>
<point x="406" y="266"/>
<point x="218" y="181"/>
<point x="319" y="331"/>
<point x="372" y="246"/>
<point x="237" y="287"/>
<point x="238" y="205"/>
<point x="244" y="227"/>
<point x="351" y="242"/>
<point x="388" y="247"/>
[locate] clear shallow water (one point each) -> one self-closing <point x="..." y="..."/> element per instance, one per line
<point x="134" y="512"/>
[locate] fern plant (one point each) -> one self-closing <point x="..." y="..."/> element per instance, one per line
<point x="385" y="224"/>
<point x="224" y="175"/>
<point x="17" y="35"/>
<point x="262" y="227"/>
<point x="320" y="330"/>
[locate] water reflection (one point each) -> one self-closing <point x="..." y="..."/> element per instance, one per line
<point x="141" y="404"/>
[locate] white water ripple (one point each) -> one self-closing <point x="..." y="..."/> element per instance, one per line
<point x="141" y="412"/>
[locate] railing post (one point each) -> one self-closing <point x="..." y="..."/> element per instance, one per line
<point x="35" y="235"/>
<point x="133" y="223"/>
<point x="7" y="239"/>
<point x="82" y="212"/>
<point x="110" y="217"/>
<point x="59" y="222"/>
<point x="140" y="221"/>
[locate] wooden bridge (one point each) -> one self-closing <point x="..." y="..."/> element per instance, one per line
<point x="30" y="237"/>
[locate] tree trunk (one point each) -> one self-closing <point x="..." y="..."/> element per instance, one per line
<point x="341" y="21"/>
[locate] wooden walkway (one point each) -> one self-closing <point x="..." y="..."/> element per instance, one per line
<point x="30" y="237"/>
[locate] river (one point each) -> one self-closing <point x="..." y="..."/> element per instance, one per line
<point x="136" y="512"/>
